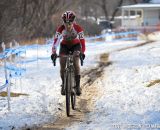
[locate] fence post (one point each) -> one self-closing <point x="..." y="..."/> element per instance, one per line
<point x="9" y="94"/>
<point x="19" y="65"/>
<point x="6" y="76"/>
<point x="5" y="69"/>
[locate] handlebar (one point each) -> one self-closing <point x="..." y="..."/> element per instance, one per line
<point x="80" y="56"/>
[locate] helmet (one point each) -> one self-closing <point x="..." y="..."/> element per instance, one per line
<point x="68" y="16"/>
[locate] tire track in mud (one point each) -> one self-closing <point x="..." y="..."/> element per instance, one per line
<point x="139" y="45"/>
<point x="85" y="102"/>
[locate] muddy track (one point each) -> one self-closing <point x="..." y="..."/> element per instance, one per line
<point x="139" y="45"/>
<point x="84" y="103"/>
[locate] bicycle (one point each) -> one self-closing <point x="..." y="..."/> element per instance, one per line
<point x="69" y="81"/>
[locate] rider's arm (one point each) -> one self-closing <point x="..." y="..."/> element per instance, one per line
<point x="81" y="37"/>
<point x="82" y="40"/>
<point x="57" y="38"/>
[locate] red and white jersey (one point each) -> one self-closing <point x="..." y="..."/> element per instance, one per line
<point x="75" y="36"/>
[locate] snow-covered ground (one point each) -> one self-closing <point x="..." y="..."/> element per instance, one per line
<point x="127" y="102"/>
<point x="125" y="99"/>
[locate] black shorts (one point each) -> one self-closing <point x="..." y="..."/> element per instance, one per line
<point x="64" y="49"/>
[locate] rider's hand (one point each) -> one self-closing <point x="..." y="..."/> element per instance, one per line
<point x="53" y="57"/>
<point x="83" y="56"/>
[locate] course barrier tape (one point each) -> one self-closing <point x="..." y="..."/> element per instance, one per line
<point x="4" y="86"/>
<point x="11" y="51"/>
<point x="125" y="39"/>
<point x="15" y="74"/>
<point x="32" y="60"/>
<point x="14" y="68"/>
<point x="113" y="34"/>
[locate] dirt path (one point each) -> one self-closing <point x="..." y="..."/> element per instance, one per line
<point x="85" y="105"/>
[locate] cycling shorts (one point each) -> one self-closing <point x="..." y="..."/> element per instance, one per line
<point x="64" y="49"/>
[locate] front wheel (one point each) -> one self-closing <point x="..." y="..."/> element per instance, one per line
<point x="73" y="92"/>
<point x="68" y="94"/>
<point x="73" y="100"/>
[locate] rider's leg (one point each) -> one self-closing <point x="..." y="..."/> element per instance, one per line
<point x="63" y="51"/>
<point x="62" y="68"/>
<point x="78" y="89"/>
<point x="77" y="74"/>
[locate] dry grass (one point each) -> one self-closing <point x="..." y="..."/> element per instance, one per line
<point x="104" y="57"/>
<point x="1" y="62"/>
<point x="33" y="41"/>
<point x="27" y="42"/>
<point x="4" y="94"/>
<point x="152" y="83"/>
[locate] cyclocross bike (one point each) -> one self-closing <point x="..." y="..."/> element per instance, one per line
<point x="69" y="81"/>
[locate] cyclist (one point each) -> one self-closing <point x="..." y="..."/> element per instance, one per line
<point x="72" y="40"/>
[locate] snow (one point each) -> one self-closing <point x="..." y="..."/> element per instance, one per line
<point x="145" y="5"/>
<point x="125" y="102"/>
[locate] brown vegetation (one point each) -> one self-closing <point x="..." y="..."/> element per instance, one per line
<point x="4" y="94"/>
<point x="152" y="83"/>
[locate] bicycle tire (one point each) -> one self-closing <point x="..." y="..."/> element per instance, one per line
<point x="68" y="94"/>
<point x="73" y="93"/>
<point x="73" y="100"/>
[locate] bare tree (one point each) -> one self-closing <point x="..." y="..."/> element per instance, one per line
<point x="116" y="9"/>
<point x="135" y="1"/>
<point x="30" y="18"/>
<point x="23" y="19"/>
<point x="106" y="8"/>
<point x="110" y="8"/>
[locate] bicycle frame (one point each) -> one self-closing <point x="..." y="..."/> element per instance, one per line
<point x="69" y="69"/>
<point x="69" y="84"/>
<point x="69" y="81"/>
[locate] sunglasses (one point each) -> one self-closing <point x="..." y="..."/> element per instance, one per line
<point x="68" y="23"/>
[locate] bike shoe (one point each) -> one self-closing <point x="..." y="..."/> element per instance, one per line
<point x="62" y="90"/>
<point x="78" y="91"/>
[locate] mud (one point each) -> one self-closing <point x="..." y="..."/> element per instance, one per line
<point x="139" y="45"/>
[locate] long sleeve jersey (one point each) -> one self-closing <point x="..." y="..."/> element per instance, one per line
<point x="75" y="36"/>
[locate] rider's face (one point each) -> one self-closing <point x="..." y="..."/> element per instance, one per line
<point x="68" y="25"/>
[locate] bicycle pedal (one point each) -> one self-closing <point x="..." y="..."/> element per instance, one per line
<point x="73" y="91"/>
